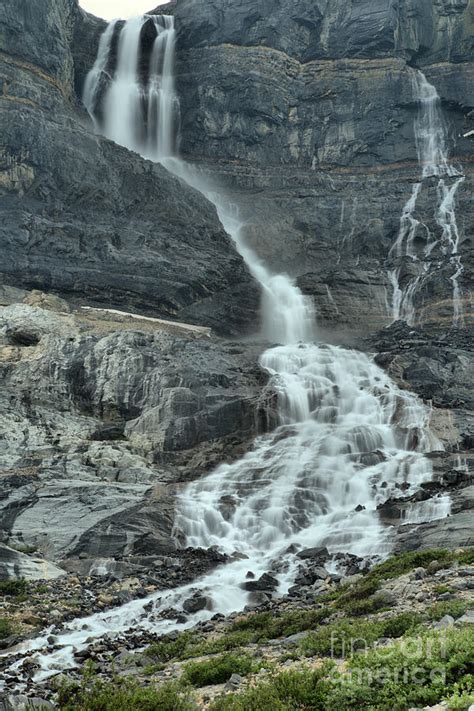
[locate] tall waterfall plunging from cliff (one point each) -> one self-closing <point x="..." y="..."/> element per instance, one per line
<point x="139" y="102"/>
<point x="431" y="143"/>
<point x="347" y="438"/>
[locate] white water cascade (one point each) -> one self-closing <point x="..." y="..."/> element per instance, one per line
<point x="138" y="113"/>
<point x="347" y="440"/>
<point x="431" y="143"/>
<point x="95" y="76"/>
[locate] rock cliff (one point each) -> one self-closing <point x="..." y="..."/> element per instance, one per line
<point x="85" y="218"/>
<point x="103" y="416"/>
<point x="305" y="110"/>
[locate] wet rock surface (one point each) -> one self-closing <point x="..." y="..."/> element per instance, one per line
<point x="437" y="594"/>
<point x="101" y="421"/>
<point x="97" y="586"/>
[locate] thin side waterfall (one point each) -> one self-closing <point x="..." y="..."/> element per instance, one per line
<point x="430" y="129"/>
<point x="431" y="143"/>
<point x="347" y="440"/>
<point x="402" y="300"/>
<point x="95" y="77"/>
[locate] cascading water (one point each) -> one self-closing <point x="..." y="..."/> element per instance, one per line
<point x="162" y="98"/>
<point x="94" y="79"/>
<point x="347" y="439"/>
<point x="139" y="113"/>
<point x="431" y="144"/>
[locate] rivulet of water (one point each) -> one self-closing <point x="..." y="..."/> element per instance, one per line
<point x="431" y="142"/>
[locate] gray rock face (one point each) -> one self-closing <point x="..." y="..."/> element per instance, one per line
<point x="455" y="531"/>
<point x="101" y="420"/>
<point x="440" y="370"/>
<point x="81" y="216"/>
<point x="14" y="564"/>
<point x="333" y="29"/>
<point x="305" y="112"/>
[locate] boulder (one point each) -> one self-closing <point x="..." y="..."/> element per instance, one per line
<point x="196" y="603"/>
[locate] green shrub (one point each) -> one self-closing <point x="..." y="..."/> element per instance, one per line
<point x="430" y="668"/>
<point x="404" y="562"/>
<point x="12" y="587"/>
<point x="122" y="695"/>
<point x="340" y="638"/>
<point x="467" y="557"/>
<point x="218" y="670"/>
<point x="6" y="628"/>
<point x="176" y="648"/>
<point x="225" y="643"/>
<point x="455" y="608"/>
<point x="286" y="691"/>
<point x="372" y="604"/>
<point x="267" y="625"/>
<point x="401" y="624"/>
<point x="435" y="666"/>
<point x="463" y="695"/>
<point x="441" y="589"/>
<point x="190" y="644"/>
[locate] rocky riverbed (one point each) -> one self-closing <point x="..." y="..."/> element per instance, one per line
<point x="276" y="634"/>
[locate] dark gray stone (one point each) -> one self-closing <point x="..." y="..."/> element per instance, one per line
<point x="83" y="217"/>
<point x="314" y="554"/>
<point x="181" y="404"/>
<point x="195" y="603"/>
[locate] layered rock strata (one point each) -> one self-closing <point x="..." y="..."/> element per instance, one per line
<point x="103" y="416"/>
<point x="85" y="218"/>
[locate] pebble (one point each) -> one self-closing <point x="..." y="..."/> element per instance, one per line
<point x="234" y="682"/>
<point x="466" y="619"/>
<point x="443" y="623"/>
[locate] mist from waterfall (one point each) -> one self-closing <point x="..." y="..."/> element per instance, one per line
<point x="347" y="438"/>
<point x="432" y="149"/>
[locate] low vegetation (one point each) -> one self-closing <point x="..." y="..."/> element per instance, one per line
<point x="6" y="628"/>
<point x="267" y="625"/>
<point x="218" y="670"/>
<point x="254" y="628"/>
<point x="390" y="662"/>
<point x="419" y="672"/>
<point x="11" y="588"/>
<point x="190" y="644"/>
<point x="347" y="635"/>
<point x="123" y="695"/>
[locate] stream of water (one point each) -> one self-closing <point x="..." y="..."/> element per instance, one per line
<point x="432" y="148"/>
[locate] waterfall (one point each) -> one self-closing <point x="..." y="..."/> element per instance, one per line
<point x="95" y="77"/>
<point x="139" y="113"/>
<point x="162" y="98"/>
<point x="431" y="144"/>
<point x="430" y="128"/>
<point x="347" y="439"/>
